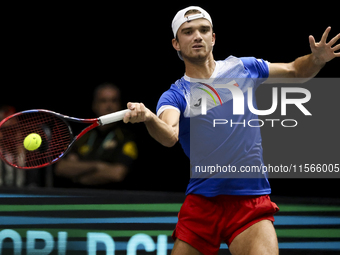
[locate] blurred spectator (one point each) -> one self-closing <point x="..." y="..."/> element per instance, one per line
<point x="104" y="156"/>
<point x="10" y="176"/>
<point x="13" y="177"/>
<point x="5" y="111"/>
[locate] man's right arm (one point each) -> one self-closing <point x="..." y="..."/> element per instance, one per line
<point x="164" y="129"/>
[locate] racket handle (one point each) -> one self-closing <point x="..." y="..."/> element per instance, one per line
<point x="113" y="117"/>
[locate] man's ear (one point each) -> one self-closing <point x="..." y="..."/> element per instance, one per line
<point x="213" y="39"/>
<point x="175" y="44"/>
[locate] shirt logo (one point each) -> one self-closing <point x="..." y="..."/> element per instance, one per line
<point x="212" y="95"/>
<point x="198" y="103"/>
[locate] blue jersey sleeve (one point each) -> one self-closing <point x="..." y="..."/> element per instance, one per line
<point x="173" y="98"/>
<point x="257" y="68"/>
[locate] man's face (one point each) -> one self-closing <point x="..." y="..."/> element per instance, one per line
<point x="106" y="101"/>
<point x="195" y="39"/>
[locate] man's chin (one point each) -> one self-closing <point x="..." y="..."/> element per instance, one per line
<point x="196" y="57"/>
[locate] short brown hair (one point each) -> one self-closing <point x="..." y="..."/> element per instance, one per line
<point x="192" y="12"/>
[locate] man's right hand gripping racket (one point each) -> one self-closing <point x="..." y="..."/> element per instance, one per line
<point x="52" y="131"/>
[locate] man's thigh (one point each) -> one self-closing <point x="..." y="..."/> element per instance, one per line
<point x="183" y="248"/>
<point x="260" y="238"/>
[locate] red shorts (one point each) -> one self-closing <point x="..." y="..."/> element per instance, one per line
<point x="205" y="222"/>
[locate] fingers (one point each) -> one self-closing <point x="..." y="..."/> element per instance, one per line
<point x="325" y="35"/>
<point x="312" y="42"/>
<point x="127" y="117"/>
<point x="131" y="106"/>
<point x="334" y="40"/>
<point x="324" y="45"/>
<point x="137" y="114"/>
<point x="336" y="48"/>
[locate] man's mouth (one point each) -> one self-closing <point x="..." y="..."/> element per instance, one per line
<point x="197" y="46"/>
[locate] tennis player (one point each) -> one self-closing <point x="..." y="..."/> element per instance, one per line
<point x="232" y="210"/>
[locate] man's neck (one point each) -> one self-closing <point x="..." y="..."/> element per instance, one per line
<point x="200" y="69"/>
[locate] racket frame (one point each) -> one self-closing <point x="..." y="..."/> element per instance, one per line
<point x="95" y="122"/>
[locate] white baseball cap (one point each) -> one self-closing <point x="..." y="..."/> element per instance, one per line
<point x="180" y="18"/>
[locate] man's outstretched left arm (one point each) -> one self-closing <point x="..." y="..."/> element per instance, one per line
<point x="306" y="67"/>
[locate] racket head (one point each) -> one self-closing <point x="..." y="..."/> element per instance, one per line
<point x="55" y="132"/>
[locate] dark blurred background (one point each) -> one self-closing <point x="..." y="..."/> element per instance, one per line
<point x="55" y="54"/>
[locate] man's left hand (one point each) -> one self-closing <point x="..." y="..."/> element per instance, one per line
<point x="323" y="51"/>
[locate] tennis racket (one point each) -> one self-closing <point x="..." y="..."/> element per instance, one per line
<point x="55" y="131"/>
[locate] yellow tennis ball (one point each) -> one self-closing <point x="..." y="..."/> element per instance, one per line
<point x="32" y="142"/>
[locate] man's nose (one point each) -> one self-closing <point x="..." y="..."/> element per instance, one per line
<point x="197" y="36"/>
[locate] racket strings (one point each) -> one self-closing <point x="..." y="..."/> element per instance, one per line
<point x="54" y="132"/>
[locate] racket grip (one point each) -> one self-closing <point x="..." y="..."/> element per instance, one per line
<point x="113" y="117"/>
